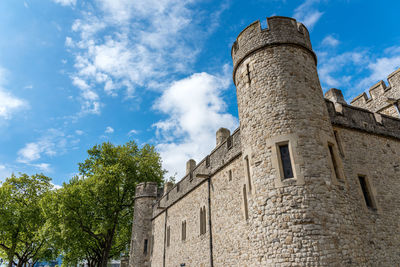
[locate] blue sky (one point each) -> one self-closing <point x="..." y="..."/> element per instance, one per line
<point x="77" y="73"/>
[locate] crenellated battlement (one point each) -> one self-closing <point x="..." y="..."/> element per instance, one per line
<point x="381" y="96"/>
<point x="280" y="30"/>
<point x="146" y="189"/>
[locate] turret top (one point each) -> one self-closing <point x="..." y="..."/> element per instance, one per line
<point x="147" y="189"/>
<point x="281" y="30"/>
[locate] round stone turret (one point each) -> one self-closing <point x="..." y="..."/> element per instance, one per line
<point x="145" y="195"/>
<point x="287" y="139"/>
<point x="280" y="31"/>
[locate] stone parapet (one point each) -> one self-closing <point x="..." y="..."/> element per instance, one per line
<point x="380" y="94"/>
<point x="211" y="164"/>
<point x="281" y="30"/>
<point x="147" y="189"/>
<point x="363" y="120"/>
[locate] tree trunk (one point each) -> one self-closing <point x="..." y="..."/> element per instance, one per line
<point x="107" y="248"/>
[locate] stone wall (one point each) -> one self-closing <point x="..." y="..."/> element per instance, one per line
<point x="382" y="97"/>
<point x="318" y="217"/>
<point x="375" y="232"/>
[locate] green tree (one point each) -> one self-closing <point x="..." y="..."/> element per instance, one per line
<point x="21" y="218"/>
<point x="95" y="209"/>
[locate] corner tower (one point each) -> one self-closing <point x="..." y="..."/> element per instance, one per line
<point x="145" y="195"/>
<point x="292" y="182"/>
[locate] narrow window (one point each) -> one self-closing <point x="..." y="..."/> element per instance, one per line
<point x="201" y="221"/>
<point x="167" y="196"/>
<point x="208" y="161"/>
<point x="152" y="245"/>
<point x="204" y="220"/>
<point x="203" y="228"/>
<point x="177" y="188"/>
<point x="248" y="172"/>
<point x="366" y="192"/>
<point x="285" y="161"/>
<point x="333" y="160"/>
<point x="183" y="230"/>
<point x="145" y="247"/>
<point x="168" y="236"/>
<point x="230" y="175"/>
<point x="248" y="74"/>
<point x="246" y="211"/>
<point x="336" y="134"/>
<point x="229" y="142"/>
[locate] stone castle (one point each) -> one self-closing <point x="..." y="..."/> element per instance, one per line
<point x="306" y="180"/>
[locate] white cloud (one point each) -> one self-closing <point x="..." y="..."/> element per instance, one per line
<point x="56" y="186"/>
<point x="109" y="130"/>
<point x="196" y="111"/>
<point x="45" y="167"/>
<point x="52" y="143"/>
<point x="380" y="69"/>
<point x="307" y="13"/>
<point x="356" y="71"/>
<point x="331" y="66"/>
<point x="132" y="132"/>
<point x="8" y="103"/>
<point x="330" y="41"/>
<point x="79" y="132"/>
<point x="65" y="2"/>
<point x="121" y="45"/>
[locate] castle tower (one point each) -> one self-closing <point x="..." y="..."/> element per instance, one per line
<point x="293" y="173"/>
<point x="145" y="195"/>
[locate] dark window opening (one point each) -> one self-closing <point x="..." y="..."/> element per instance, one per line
<point x="246" y="209"/>
<point x="177" y="188"/>
<point x="366" y="192"/>
<point x="183" y="230"/>
<point x="145" y="246"/>
<point x="203" y="228"/>
<point x="168" y="236"/>
<point x="230" y="175"/>
<point x="286" y="162"/>
<point x="248" y="74"/>
<point x="229" y="142"/>
<point x="333" y="160"/>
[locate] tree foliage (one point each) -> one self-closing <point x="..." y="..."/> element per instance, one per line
<point x="92" y="214"/>
<point x="22" y="224"/>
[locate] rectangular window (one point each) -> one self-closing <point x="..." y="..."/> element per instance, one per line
<point x="366" y="192"/>
<point x="208" y="161"/>
<point x="145" y="246"/>
<point x="168" y="236"/>
<point x="230" y="175"/>
<point x="183" y="230"/>
<point x="285" y="161"/>
<point x="177" y="188"/>
<point x="229" y="142"/>
<point x="246" y="211"/>
<point x="248" y="172"/>
<point x="333" y="161"/>
<point x="203" y="228"/>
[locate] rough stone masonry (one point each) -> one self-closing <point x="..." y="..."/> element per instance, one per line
<point x="306" y="180"/>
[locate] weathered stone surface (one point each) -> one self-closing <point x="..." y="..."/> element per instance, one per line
<point x="319" y="217"/>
